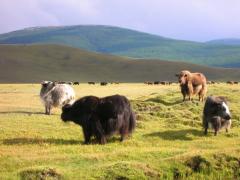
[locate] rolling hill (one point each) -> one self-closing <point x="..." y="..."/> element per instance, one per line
<point x="228" y="41"/>
<point x="34" y="63"/>
<point x="130" y="43"/>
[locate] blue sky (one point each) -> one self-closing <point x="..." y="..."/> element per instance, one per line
<point x="197" y="20"/>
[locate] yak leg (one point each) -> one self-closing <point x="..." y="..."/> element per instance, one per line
<point x="123" y="133"/>
<point x="48" y="109"/>
<point x="87" y="136"/>
<point x="190" y="97"/>
<point x="199" y="98"/>
<point x="205" y="131"/>
<point x="206" y="127"/>
<point x="184" y="97"/>
<point x="100" y="133"/>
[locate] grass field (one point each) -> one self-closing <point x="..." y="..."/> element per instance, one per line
<point x="168" y="142"/>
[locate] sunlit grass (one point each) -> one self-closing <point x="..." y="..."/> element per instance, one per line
<point x="167" y="139"/>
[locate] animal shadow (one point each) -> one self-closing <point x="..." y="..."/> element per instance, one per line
<point x="27" y="141"/>
<point x="21" y="112"/>
<point x="177" y="134"/>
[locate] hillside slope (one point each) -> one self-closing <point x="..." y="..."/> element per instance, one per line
<point x="228" y="41"/>
<point x="34" y="63"/>
<point x="126" y="42"/>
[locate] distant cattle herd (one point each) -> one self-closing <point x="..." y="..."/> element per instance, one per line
<point x="103" y="117"/>
<point x="104" y="83"/>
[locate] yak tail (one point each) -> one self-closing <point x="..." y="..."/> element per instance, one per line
<point x="132" y="122"/>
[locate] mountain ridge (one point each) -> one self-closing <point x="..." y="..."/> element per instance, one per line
<point x="129" y="43"/>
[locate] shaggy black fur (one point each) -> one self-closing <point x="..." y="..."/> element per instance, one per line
<point x="101" y="117"/>
<point x="215" y="114"/>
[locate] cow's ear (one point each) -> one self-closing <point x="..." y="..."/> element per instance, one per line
<point x="177" y="75"/>
<point x="54" y="83"/>
<point x="187" y="76"/>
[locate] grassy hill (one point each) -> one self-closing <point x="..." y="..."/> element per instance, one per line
<point x="34" y="63"/>
<point x="168" y="142"/>
<point x="228" y="41"/>
<point x="126" y="42"/>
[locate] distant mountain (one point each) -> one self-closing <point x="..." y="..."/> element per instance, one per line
<point x="229" y="41"/>
<point x="126" y="42"/>
<point x="34" y="63"/>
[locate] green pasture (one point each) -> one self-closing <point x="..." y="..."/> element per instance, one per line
<point x="168" y="142"/>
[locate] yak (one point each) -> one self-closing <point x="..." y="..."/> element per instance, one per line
<point x="53" y="94"/>
<point x="191" y="84"/>
<point x="216" y="114"/>
<point x="101" y="117"/>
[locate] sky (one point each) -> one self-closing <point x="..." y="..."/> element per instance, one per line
<point x="196" y="20"/>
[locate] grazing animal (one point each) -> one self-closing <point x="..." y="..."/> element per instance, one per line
<point x="156" y="82"/>
<point x="191" y="84"/>
<point x="230" y="82"/>
<point x="76" y="83"/>
<point x="164" y="82"/>
<point x="216" y="114"/>
<point x="101" y="117"/>
<point x="91" y="83"/>
<point x="148" y="83"/>
<point x="61" y="82"/>
<point x="103" y="83"/>
<point x="54" y="95"/>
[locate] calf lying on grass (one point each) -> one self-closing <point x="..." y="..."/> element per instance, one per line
<point x="216" y="114"/>
<point x="101" y="117"/>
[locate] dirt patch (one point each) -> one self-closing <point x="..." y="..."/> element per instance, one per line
<point x="198" y="164"/>
<point x="40" y="174"/>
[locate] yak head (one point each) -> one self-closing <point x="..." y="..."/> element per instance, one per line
<point x="223" y="111"/>
<point x="217" y="106"/>
<point x="80" y="111"/>
<point x="66" y="113"/>
<point x="47" y="85"/>
<point x="183" y="77"/>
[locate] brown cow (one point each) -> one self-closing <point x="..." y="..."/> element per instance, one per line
<point x="192" y="84"/>
<point x="230" y="82"/>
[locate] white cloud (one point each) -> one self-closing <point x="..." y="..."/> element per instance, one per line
<point x="183" y="19"/>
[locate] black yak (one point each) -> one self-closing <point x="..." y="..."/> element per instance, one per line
<point x="101" y="117"/>
<point x="216" y="114"/>
<point x="103" y="83"/>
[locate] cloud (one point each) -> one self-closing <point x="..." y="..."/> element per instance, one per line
<point x="186" y="19"/>
<point x="16" y="14"/>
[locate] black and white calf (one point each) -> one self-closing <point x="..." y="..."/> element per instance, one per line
<point x="216" y="114"/>
<point x="53" y="94"/>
